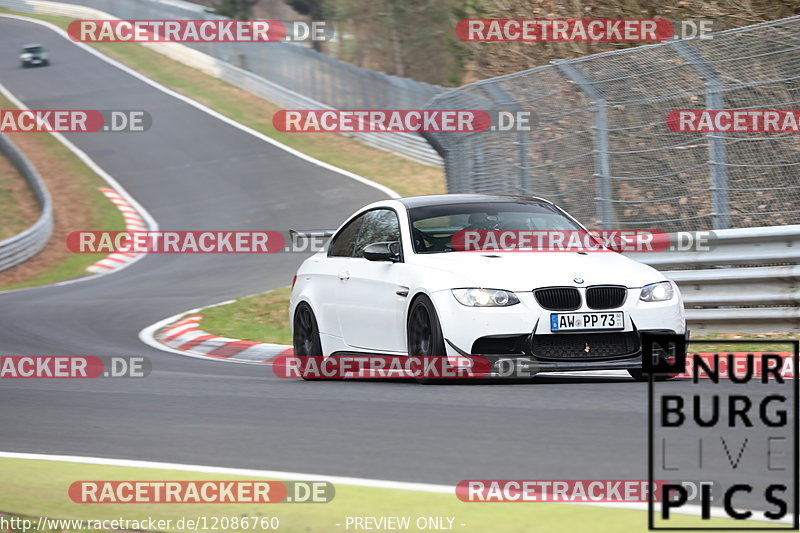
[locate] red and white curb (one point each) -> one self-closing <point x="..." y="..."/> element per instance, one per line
<point x="186" y="336"/>
<point x="133" y="222"/>
<point x="181" y="334"/>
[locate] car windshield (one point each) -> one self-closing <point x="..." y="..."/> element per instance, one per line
<point x="33" y="49"/>
<point x="434" y="226"/>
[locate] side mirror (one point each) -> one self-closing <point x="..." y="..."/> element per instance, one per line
<point x="383" y="251"/>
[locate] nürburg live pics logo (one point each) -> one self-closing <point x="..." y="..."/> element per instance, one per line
<point x="730" y="431"/>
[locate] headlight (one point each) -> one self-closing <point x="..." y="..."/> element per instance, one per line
<point x="485" y="297"/>
<point x="657" y="292"/>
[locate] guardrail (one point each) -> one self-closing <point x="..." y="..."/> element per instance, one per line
<point x="408" y="145"/>
<point x="729" y="288"/>
<point x="28" y="243"/>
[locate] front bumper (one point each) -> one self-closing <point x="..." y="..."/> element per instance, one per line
<point x="526" y="365"/>
<point x="466" y="330"/>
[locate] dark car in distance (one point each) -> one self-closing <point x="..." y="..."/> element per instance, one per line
<point x="34" y="54"/>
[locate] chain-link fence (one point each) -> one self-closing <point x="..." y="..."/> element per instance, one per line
<point x="316" y="76"/>
<point x="599" y="144"/>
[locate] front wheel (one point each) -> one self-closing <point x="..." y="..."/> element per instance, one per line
<point x="424" y="333"/>
<point x="305" y="339"/>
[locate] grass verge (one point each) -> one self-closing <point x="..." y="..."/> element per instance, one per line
<point x="745" y="347"/>
<point x="401" y="174"/>
<point x="77" y="205"/>
<point x="40" y="488"/>
<point x="260" y="318"/>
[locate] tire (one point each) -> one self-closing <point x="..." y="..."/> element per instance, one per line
<point x="305" y="338"/>
<point x="46" y="63"/>
<point x="638" y="375"/>
<point x="424" y="333"/>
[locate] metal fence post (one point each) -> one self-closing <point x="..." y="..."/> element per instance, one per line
<point x="503" y="99"/>
<point x="476" y="172"/>
<point x="717" y="156"/>
<point x="602" y="169"/>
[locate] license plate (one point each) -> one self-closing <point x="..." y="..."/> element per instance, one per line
<point x="574" y="321"/>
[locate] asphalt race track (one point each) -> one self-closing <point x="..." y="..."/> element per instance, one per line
<point x="192" y="171"/>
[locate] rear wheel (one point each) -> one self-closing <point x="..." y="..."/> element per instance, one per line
<point x="305" y="339"/>
<point x="424" y="333"/>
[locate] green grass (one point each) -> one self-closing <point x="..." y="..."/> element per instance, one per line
<point x="39" y="488"/>
<point x="773" y="346"/>
<point x="260" y="318"/>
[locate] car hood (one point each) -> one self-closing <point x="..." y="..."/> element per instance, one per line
<point x="523" y="271"/>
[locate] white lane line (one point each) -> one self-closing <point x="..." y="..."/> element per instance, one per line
<point x="291" y="476"/>
<point x="305" y="157"/>
<point x="339" y="480"/>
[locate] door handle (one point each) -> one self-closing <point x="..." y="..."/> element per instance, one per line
<point x="344" y="276"/>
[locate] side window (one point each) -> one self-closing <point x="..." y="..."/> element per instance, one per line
<point x="343" y="243"/>
<point x="380" y="225"/>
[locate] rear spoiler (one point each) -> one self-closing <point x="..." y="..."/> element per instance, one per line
<point x="324" y="233"/>
<point x="309" y="241"/>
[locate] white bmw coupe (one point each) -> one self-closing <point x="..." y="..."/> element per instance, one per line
<point x="392" y="282"/>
